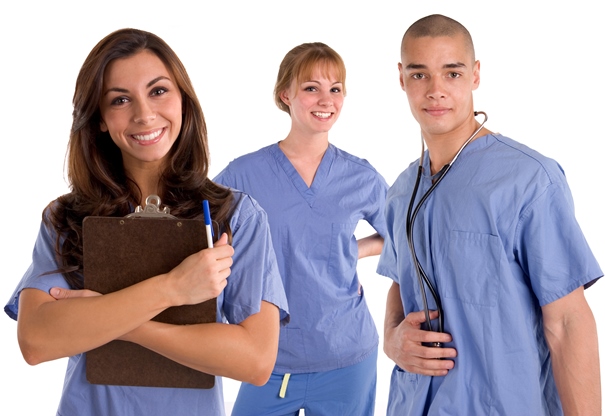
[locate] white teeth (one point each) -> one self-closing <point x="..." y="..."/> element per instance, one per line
<point x="322" y="115"/>
<point x="146" y="137"/>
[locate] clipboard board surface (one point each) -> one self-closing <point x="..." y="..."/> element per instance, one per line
<point x="119" y="252"/>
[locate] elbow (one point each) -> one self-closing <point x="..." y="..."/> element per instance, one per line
<point x="30" y="354"/>
<point x="260" y="376"/>
<point x="261" y="369"/>
<point x="33" y="352"/>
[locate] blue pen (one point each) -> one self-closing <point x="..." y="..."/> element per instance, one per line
<point x="208" y="223"/>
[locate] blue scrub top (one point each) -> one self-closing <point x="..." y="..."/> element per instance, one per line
<point x="498" y="239"/>
<point x="312" y="230"/>
<point x="254" y="277"/>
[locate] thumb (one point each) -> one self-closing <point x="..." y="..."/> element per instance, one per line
<point x="222" y="241"/>
<point x="58" y="293"/>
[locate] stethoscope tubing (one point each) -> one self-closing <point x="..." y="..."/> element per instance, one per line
<point x="423" y="280"/>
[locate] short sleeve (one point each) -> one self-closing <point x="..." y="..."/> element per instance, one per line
<point x="551" y="247"/>
<point x="376" y="217"/>
<point x="41" y="274"/>
<point x="387" y="263"/>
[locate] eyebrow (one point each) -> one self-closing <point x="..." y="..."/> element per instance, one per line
<point x="317" y="82"/>
<point x="446" y="66"/>
<point x="149" y="84"/>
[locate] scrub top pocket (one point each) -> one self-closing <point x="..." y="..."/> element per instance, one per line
<point x="470" y="268"/>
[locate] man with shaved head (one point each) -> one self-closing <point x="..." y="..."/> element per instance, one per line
<point x="486" y="314"/>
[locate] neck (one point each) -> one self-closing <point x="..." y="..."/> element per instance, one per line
<point x="147" y="181"/>
<point x="443" y="148"/>
<point x="298" y="146"/>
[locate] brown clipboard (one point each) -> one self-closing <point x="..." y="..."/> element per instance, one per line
<point x="121" y="251"/>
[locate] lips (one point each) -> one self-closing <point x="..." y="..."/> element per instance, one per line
<point x="436" y="111"/>
<point x="147" y="137"/>
<point x="321" y="115"/>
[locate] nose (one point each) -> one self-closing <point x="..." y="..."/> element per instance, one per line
<point x="325" y="99"/>
<point x="436" y="88"/>
<point x="143" y="112"/>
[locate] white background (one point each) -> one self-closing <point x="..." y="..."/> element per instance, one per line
<point x="542" y="84"/>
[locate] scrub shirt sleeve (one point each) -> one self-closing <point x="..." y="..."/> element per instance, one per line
<point x="376" y="216"/>
<point x="225" y="178"/>
<point x="41" y="274"/>
<point x="551" y="247"/>
<point x="387" y="263"/>
<point x="254" y="275"/>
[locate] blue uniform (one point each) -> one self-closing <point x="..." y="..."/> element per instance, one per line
<point x="254" y="277"/>
<point x="312" y="230"/>
<point x="499" y="240"/>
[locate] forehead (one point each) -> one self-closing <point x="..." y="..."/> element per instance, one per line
<point x="140" y="67"/>
<point x="437" y="51"/>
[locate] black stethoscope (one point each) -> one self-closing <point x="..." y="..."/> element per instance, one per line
<point x="423" y="280"/>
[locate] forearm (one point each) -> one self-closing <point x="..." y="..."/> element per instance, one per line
<point x="369" y="246"/>
<point x="394" y="315"/>
<point x="76" y="321"/>
<point x="245" y="352"/>
<point x="49" y="329"/>
<point x="575" y="358"/>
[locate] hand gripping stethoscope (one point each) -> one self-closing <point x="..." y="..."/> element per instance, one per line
<point x="423" y="280"/>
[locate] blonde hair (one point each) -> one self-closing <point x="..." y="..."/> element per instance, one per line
<point x="298" y="65"/>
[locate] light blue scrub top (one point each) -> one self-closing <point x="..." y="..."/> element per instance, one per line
<point x="499" y="239"/>
<point x="254" y="277"/>
<point x="312" y="230"/>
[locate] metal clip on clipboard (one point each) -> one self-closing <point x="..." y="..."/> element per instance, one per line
<point x="152" y="209"/>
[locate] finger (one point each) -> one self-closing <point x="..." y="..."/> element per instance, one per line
<point x="427" y="371"/>
<point x="416" y="318"/>
<point x="435" y="353"/>
<point x="222" y="241"/>
<point x="60" y="293"/>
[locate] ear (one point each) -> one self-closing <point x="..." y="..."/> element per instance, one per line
<point x="476" y="75"/>
<point x="284" y="97"/>
<point x="400" y="68"/>
<point x="103" y="127"/>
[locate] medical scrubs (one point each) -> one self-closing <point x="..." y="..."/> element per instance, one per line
<point x="498" y="238"/>
<point x="254" y="278"/>
<point x="312" y="230"/>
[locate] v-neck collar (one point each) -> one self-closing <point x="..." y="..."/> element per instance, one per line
<point x="309" y="193"/>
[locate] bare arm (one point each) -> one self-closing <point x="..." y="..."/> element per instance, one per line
<point x="244" y="352"/>
<point x="403" y="340"/>
<point x="369" y="246"/>
<point x="571" y="334"/>
<point x="48" y="329"/>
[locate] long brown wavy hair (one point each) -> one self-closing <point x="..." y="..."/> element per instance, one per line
<point x="98" y="182"/>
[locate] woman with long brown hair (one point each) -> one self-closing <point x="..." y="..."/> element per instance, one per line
<point x="138" y="130"/>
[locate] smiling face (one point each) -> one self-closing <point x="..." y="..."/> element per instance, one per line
<point x="141" y="108"/>
<point x="314" y="103"/>
<point x="439" y="75"/>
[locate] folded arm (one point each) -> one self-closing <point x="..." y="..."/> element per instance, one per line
<point x="48" y="328"/>
<point x="245" y="351"/>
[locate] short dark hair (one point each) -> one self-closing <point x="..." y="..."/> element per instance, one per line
<point x="436" y="25"/>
